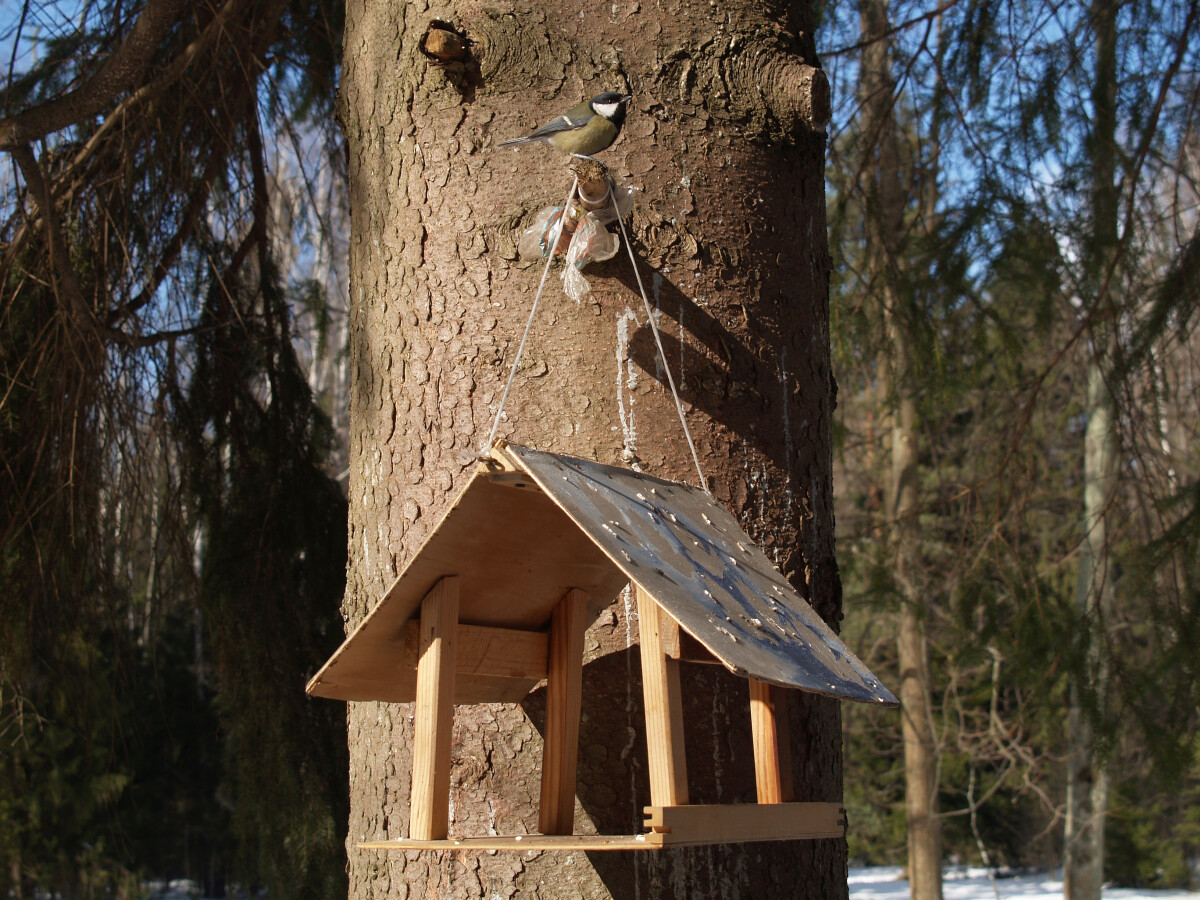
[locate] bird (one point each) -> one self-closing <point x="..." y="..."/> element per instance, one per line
<point x="582" y="130"/>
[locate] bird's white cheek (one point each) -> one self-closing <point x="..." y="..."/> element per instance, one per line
<point x="606" y="109"/>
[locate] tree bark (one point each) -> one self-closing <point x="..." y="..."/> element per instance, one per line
<point x="729" y="227"/>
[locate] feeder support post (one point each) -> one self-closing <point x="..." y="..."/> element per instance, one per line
<point x="433" y="713"/>
<point x="772" y="742"/>
<point x="564" y="698"/>
<point x="664" y="709"/>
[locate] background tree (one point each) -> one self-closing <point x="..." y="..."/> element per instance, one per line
<point x="1017" y="110"/>
<point x="172" y="546"/>
<point x="886" y="206"/>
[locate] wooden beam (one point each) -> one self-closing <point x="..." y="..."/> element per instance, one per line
<point x="664" y="709"/>
<point x="671" y="826"/>
<point x="783" y="745"/>
<point x="564" y="696"/>
<point x="680" y="645"/>
<point x="738" y="823"/>
<point x="467" y="689"/>
<point x="692" y="651"/>
<point x="769" y="729"/>
<point x="523" y="843"/>
<point x="484" y="650"/>
<point x="433" y="715"/>
<point x="493" y="665"/>
<point x="668" y="633"/>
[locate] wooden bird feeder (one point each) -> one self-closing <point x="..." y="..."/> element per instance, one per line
<point x="498" y="598"/>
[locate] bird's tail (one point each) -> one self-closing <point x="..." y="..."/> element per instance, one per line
<point x="515" y="141"/>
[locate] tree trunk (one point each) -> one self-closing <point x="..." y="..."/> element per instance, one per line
<point x="1087" y="778"/>
<point x="885" y="212"/>
<point x="729" y="226"/>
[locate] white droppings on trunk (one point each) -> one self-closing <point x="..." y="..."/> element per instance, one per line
<point x="719" y="728"/>
<point x="627" y="380"/>
<point x="682" y="372"/>
<point x="388" y="562"/>
<point x="764" y="487"/>
<point x="757" y="487"/>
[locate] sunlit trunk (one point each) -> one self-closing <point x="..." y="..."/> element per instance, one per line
<point x="729" y="228"/>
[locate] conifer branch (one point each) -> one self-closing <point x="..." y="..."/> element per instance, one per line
<point x="119" y="73"/>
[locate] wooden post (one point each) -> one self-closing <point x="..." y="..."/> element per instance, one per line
<point x="564" y="695"/>
<point x="433" y="713"/>
<point x="772" y="742"/>
<point x="664" y="710"/>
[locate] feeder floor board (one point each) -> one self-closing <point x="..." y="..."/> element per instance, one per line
<point x="684" y="826"/>
<point x="670" y="826"/>
<point x="524" y="842"/>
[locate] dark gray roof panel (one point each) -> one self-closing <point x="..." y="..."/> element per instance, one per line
<point x="694" y="558"/>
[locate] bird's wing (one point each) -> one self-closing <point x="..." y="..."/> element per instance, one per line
<point x="569" y="121"/>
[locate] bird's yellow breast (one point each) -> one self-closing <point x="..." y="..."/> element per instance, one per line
<point x="593" y="137"/>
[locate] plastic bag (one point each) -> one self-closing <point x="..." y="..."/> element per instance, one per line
<point x="535" y="240"/>
<point x="591" y="242"/>
<point x="582" y="235"/>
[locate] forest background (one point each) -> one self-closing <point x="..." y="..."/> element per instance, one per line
<point x="1013" y="204"/>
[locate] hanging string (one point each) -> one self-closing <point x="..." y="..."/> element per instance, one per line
<point x="658" y="340"/>
<point x="556" y="235"/>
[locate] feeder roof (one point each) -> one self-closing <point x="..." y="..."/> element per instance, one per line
<point x="531" y="525"/>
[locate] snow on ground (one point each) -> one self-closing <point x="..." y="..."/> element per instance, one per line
<point x="885" y="883"/>
<point x="875" y="883"/>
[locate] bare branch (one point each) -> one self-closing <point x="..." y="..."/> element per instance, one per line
<point x="65" y="283"/>
<point x="16" y="47"/>
<point x="927" y="16"/>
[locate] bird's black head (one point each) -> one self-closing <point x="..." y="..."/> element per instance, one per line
<point x="612" y="106"/>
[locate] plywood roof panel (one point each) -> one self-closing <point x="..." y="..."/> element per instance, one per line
<point x="515" y="553"/>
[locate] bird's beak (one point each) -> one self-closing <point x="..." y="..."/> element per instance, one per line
<point x="626" y="98"/>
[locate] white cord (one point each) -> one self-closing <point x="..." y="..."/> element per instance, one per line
<point x="658" y="340"/>
<point x="556" y="235"/>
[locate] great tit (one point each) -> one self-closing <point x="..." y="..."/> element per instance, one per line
<point x="582" y="130"/>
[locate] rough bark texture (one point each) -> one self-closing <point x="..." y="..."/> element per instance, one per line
<point x="729" y="224"/>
